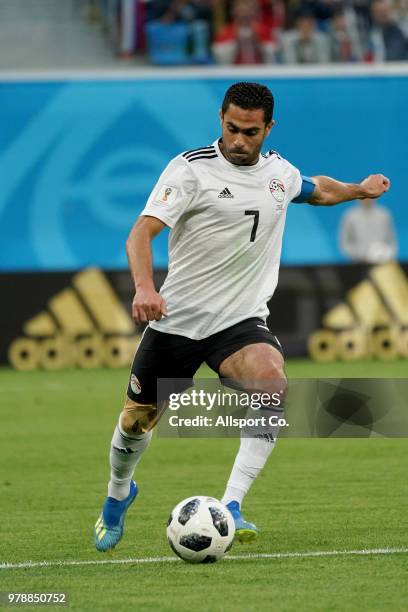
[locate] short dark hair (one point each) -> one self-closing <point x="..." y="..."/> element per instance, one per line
<point x="250" y="96"/>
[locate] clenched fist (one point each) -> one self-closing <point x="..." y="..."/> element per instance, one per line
<point x="148" y="305"/>
<point x="375" y="185"/>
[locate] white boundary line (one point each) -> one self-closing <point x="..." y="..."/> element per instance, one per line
<point x="213" y="72"/>
<point x="254" y="556"/>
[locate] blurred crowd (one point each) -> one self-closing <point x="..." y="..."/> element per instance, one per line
<point x="236" y="32"/>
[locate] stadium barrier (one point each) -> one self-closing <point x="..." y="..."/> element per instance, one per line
<point x="82" y="319"/>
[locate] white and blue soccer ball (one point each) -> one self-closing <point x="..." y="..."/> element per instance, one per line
<point x="200" y="529"/>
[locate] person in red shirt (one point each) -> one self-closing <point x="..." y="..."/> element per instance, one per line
<point x="273" y="13"/>
<point x="246" y="39"/>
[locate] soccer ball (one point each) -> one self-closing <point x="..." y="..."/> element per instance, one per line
<point x="200" y="529"/>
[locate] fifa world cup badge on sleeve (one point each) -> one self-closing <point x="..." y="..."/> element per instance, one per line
<point x="166" y="194"/>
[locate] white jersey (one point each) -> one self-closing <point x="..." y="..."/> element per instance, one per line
<point x="225" y="242"/>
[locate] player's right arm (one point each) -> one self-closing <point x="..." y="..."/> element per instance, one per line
<point x="148" y="304"/>
<point x="170" y="197"/>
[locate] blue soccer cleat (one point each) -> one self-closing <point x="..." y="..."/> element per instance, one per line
<point x="244" y="531"/>
<point x="109" y="527"/>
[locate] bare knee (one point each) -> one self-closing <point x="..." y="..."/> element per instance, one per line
<point x="267" y="373"/>
<point x="271" y="379"/>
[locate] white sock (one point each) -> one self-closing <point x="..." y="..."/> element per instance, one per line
<point x="252" y="455"/>
<point x="125" y="453"/>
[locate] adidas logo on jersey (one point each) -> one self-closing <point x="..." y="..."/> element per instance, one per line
<point x="225" y="193"/>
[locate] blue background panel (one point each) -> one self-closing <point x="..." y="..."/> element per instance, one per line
<point x="78" y="159"/>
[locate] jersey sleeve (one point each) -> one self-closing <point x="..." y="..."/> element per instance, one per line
<point x="293" y="180"/>
<point x="172" y="194"/>
<point x="300" y="187"/>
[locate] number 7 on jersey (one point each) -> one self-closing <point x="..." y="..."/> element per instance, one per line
<point x="255" y="213"/>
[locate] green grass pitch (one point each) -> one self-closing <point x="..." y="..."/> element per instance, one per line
<point x="314" y="495"/>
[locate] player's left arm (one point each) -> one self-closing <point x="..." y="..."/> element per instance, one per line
<point x="328" y="191"/>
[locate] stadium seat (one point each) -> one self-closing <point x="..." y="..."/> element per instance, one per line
<point x="167" y="44"/>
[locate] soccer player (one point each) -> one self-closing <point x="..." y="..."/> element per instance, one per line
<point x="226" y="206"/>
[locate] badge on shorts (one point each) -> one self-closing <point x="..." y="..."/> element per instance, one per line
<point x="277" y="189"/>
<point x="166" y="194"/>
<point x="135" y="385"/>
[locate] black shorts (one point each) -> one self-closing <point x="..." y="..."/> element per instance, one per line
<point x="175" y="357"/>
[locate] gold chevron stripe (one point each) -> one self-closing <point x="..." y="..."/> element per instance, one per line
<point x="393" y="285"/>
<point x="40" y="325"/>
<point x="70" y="314"/>
<point x="106" y="308"/>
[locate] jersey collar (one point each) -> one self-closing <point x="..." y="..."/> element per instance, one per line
<point x="225" y="161"/>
